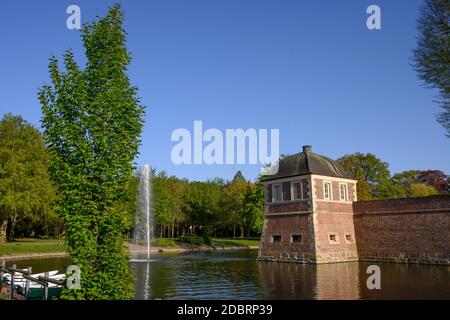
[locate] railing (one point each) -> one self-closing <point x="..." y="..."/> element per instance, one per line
<point x="26" y="274"/>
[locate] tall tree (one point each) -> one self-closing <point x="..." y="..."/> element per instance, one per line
<point x="372" y="174"/>
<point x="253" y="208"/>
<point x="239" y="177"/>
<point x="432" y="55"/>
<point x="200" y="202"/>
<point x="92" y="121"/>
<point x="25" y="188"/>
<point x="232" y="203"/>
<point x="168" y="201"/>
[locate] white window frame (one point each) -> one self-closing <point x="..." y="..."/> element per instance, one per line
<point x="330" y="191"/>
<point x="351" y="236"/>
<point x="273" y="193"/>
<point x="276" y="235"/>
<point x="297" y="234"/>
<point x="336" y="235"/>
<point x="292" y="190"/>
<point x="346" y="192"/>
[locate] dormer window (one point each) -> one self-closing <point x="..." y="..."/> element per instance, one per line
<point x="277" y="193"/>
<point x="327" y="190"/>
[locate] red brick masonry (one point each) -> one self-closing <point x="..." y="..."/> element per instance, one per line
<point x="286" y="226"/>
<point x="415" y="230"/>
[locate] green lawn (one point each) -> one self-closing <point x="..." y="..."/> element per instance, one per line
<point x="234" y="242"/>
<point x="24" y="246"/>
<point x="216" y="242"/>
<point x="164" y="242"/>
<point x="32" y="246"/>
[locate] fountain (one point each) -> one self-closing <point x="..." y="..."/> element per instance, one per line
<point x="143" y="229"/>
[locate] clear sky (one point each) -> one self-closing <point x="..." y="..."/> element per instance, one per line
<point x="309" y="68"/>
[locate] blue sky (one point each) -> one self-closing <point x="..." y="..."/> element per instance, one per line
<point x="309" y="68"/>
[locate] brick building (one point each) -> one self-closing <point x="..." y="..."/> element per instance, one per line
<point x="312" y="216"/>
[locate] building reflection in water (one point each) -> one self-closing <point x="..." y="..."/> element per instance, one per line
<point x="287" y="280"/>
<point x="303" y="281"/>
<point x="338" y="281"/>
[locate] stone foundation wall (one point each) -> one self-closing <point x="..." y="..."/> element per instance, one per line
<point x="415" y="230"/>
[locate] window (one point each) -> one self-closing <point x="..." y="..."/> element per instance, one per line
<point x="343" y="192"/>
<point x="348" y="238"/>
<point x="296" y="238"/>
<point x="327" y="190"/>
<point x="276" y="238"/>
<point x="333" y="238"/>
<point x="277" y="195"/>
<point x="269" y="193"/>
<point x="296" y="190"/>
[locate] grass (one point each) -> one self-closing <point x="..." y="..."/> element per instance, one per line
<point x="216" y="242"/>
<point x="23" y="246"/>
<point x="235" y="242"/>
<point x="164" y="242"/>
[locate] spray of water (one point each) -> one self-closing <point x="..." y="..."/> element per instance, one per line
<point x="144" y="218"/>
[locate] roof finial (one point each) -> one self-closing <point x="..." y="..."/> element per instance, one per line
<point x="307" y="148"/>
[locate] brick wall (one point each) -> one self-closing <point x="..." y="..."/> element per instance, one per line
<point x="295" y="206"/>
<point x="286" y="226"/>
<point x="326" y="206"/>
<point x="339" y="225"/>
<point x="413" y="230"/>
<point x="335" y="189"/>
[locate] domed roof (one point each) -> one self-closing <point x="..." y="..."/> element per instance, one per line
<point x="307" y="162"/>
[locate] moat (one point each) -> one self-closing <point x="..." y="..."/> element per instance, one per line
<point x="235" y="274"/>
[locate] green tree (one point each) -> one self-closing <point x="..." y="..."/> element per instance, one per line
<point x="25" y="188"/>
<point x="168" y="203"/>
<point x="421" y="190"/>
<point x="127" y="203"/>
<point x="200" y="203"/>
<point x="432" y="54"/>
<point x="92" y="121"/>
<point x="239" y="177"/>
<point x="372" y="174"/>
<point x="253" y="208"/>
<point x="232" y="204"/>
<point x="406" y="177"/>
<point x="416" y="183"/>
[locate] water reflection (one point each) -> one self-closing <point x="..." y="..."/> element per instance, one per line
<point x="202" y="275"/>
<point x="338" y="281"/>
<point x="237" y="275"/>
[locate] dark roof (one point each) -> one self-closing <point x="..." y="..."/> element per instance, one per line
<point x="307" y="162"/>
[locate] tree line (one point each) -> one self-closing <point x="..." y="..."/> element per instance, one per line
<point x="181" y="207"/>
<point x="211" y="208"/>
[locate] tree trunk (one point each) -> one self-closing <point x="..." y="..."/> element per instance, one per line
<point x="242" y="232"/>
<point x="173" y="229"/>
<point x="161" y="231"/>
<point x="11" y="228"/>
<point x="3" y="226"/>
<point x="234" y="231"/>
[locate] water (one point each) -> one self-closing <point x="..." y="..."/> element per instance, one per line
<point x="144" y="216"/>
<point x="235" y="274"/>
